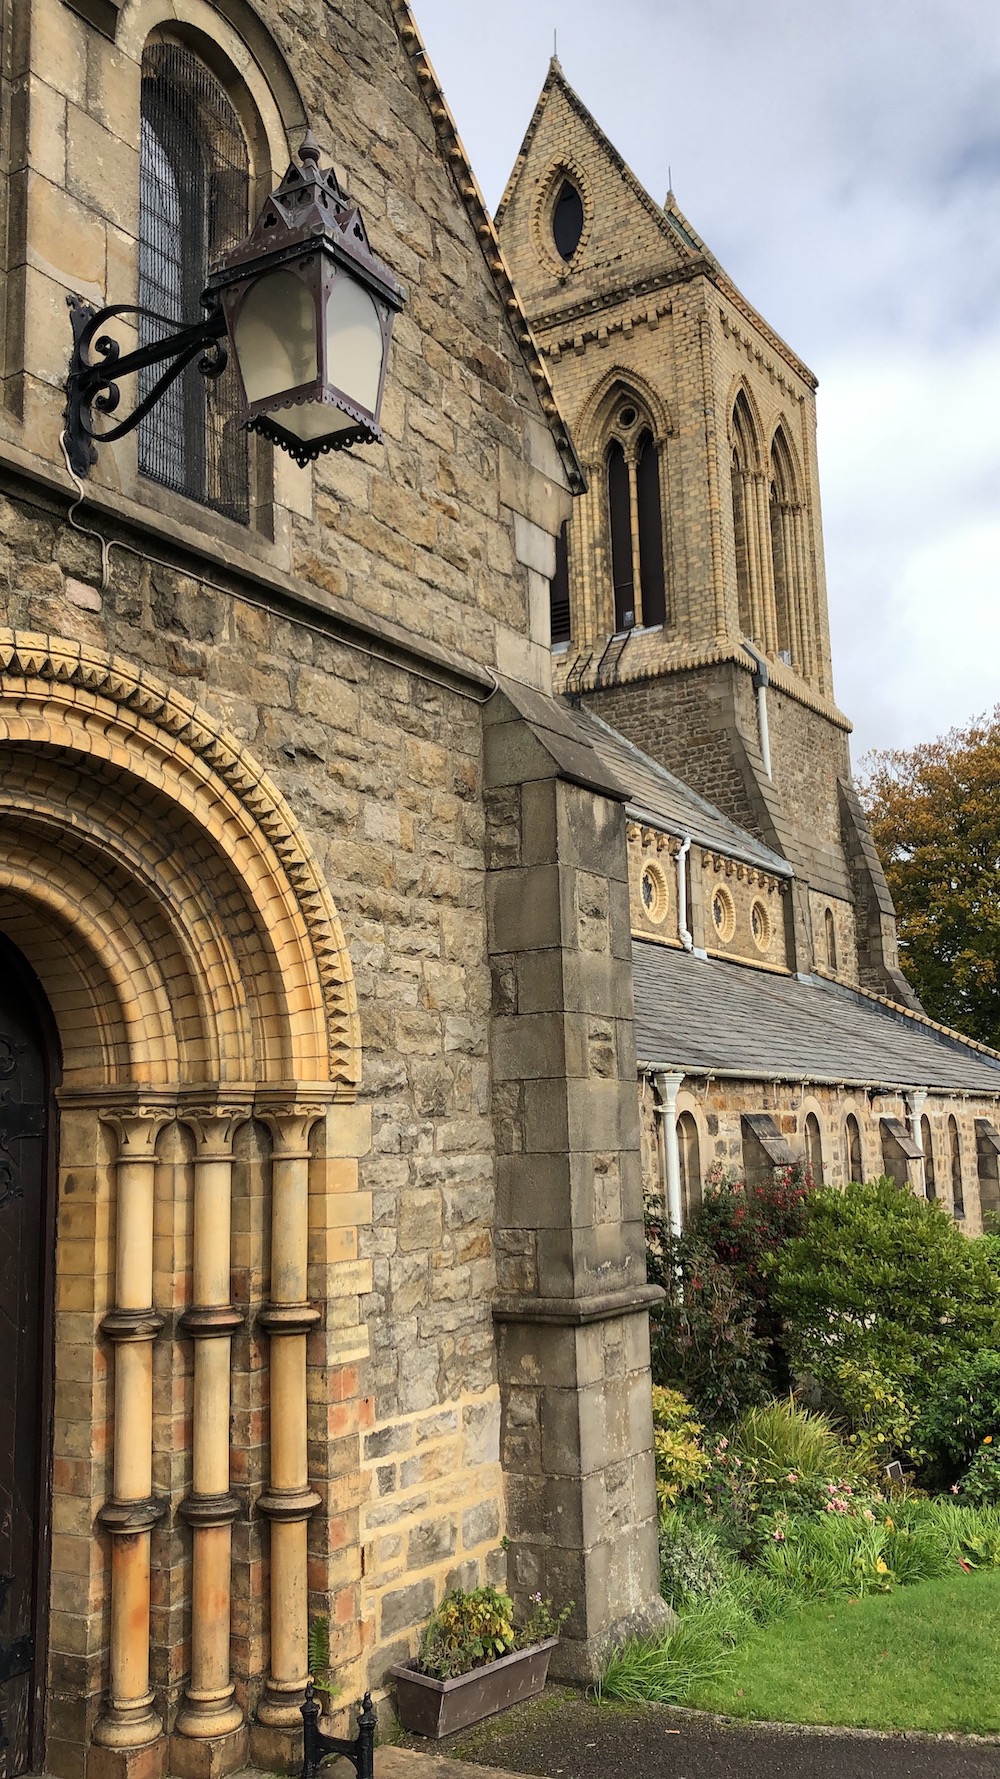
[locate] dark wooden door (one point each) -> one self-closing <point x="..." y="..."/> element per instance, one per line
<point x="26" y="1134"/>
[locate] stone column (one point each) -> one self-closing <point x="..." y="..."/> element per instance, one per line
<point x="765" y="565"/>
<point x="129" y="1721"/>
<point x="289" y="1501"/>
<point x="209" y="1710"/>
<point x="572" y="1306"/>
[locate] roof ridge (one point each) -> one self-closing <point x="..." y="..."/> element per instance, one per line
<point x="475" y="205"/>
<point x="910" y="1013"/>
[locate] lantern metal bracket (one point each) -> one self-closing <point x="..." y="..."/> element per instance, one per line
<point x="318" y="1747"/>
<point x="97" y="363"/>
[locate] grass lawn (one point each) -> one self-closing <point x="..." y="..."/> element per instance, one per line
<point x="925" y="1657"/>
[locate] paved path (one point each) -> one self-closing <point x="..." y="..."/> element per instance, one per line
<point x="563" y="1736"/>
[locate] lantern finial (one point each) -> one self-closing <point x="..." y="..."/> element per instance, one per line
<point x="309" y="150"/>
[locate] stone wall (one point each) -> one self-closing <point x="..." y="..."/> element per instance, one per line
<point x="718" y="1106"/>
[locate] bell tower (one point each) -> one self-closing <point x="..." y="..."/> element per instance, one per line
<point x="689" y="604"/>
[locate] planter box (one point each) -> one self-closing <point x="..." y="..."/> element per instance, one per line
<point x="440" y="1707"/>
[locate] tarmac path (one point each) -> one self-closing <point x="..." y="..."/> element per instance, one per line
<point x="564" y="1736"/>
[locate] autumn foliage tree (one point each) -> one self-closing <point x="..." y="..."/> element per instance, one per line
<point x="934" y="813"/>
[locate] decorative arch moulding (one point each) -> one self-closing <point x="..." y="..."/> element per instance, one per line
<point x="73" y="682"/>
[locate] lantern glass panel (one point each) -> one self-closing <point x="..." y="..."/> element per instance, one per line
<point x="354" y="345"/>
<point x="314" y="420"/>
<point x="275" y="336"/>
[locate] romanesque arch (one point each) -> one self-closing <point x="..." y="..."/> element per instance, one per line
<point x="159" y="887"/>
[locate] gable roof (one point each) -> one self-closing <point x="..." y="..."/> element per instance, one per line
<point x="710" y="1017"/>
<point x="691" y="254"/>
<point x="657" y="797"/>
<point x="472" y="199"/>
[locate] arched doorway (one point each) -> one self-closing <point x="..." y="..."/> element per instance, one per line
<point x="29" y="1074"/>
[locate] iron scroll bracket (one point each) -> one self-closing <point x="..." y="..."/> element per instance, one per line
<point x="317" y="1747"/>
<point x="97" y="363"/>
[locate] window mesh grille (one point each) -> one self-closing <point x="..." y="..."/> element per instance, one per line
<point x="194" y="184"/>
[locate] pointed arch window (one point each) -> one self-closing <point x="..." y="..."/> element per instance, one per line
<point x="785" y="514"/>
<point x="743" y="465"/>
<point x="689" y="1155"/>
<point x="830" y="937"/>
<point x="852" y="1148"/>
<point x="560" y="627"/>
<point x="194" y="193"/>
<point x="635" y="524"/>
<point x="620" y="520"/>
<point x="927" y="1145"/>
<point x="814" y="1149"/>
<point x="955" y="1154"/>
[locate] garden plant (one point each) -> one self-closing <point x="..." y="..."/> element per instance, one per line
<point x="827" y="1443"/>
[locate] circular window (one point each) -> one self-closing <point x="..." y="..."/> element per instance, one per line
<point x="653" y="890"/>
<point x="760" y="926"/>
<point x="724" y="915"/>
<point x="567" y="220"/>
<point x="627" y="417"/>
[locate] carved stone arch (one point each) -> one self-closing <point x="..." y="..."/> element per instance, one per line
<point x="186" y="860"/>
<point x="781" y="453"/>
<point x="742" y="399"/>
<point x="235" y="42"/>
<point x="620" y="384"/>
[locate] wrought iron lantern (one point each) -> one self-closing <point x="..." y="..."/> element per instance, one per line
<point x="304" y="307"/>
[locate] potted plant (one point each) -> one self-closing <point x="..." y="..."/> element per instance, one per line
<point x="474" y="1661"/>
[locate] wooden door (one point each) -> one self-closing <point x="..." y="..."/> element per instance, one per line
<point x="26" y="1143"/>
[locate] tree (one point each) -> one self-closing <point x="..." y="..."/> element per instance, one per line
<point x="934" y="813"/>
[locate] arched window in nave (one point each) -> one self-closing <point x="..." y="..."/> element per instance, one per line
<point x="194" y="187"/>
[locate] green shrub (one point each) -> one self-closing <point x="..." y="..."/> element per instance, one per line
<point x="962" y="1408"/>
<point x="786" y="1443"/>
<point x="692" y="1562"/>
<point x="884" y="1282"/>
<point x="880" y="1415"/>
<point x="980" y="1486"/>
<point x="680" y="1461"/>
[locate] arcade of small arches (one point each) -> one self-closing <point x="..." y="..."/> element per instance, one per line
<point x="169" y="908"/>
<point x="935" y="1158"/>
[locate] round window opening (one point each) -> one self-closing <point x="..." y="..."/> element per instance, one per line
<point x="724" y="915"/>
<point x="567" y="220"/>
<point x="760" y="926"/>
<point x="627" y="417"/>
<point x="653" y="889"/>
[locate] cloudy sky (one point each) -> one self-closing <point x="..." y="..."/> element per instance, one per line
<point x="842" y="160"/>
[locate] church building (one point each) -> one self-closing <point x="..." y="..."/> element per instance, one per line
<point x="691" y="641"/>
<point x="412" y="854"/>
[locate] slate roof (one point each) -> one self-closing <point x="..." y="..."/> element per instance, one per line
<point x="706" y="1016"/>
<point x="656" y="796"/>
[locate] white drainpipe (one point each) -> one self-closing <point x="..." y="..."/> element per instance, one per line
<point x="916" y="1100"/>
<point x="682" y="896"/>
<point x="760" y="682"/>
<point x="670" y="1164"/>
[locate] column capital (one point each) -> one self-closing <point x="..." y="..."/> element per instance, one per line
<point x="291" y="1127"/>
<point x="214" y="1128"/>
<point x="137" y="1128"/>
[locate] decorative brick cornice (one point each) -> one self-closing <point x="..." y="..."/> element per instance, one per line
<point x="73" y="674"/>
<point x="472" y="198"/>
